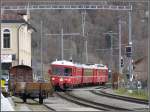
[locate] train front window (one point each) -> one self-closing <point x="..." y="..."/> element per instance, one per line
<point x="67" y="71"/>
<point x="57" y="71"/>
<point x="62" y="71"/>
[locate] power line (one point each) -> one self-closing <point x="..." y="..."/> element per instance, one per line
<point x="111" y="33"/>
<point x="106" y="49"/>
<point x="62" y="34"/>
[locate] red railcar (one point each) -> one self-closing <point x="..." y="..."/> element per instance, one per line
<point x="66" y="74"/>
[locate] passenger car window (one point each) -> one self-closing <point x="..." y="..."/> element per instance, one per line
<point x="67" y="71"/>
<point x="57" y="71"/>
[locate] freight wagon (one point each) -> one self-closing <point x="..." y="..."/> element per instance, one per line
<point x="21" y="84"/>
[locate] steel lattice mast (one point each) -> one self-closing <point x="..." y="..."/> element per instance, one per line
<point x="65" y="7"/>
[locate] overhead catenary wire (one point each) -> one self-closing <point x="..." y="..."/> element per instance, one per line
<point x="62" y="34"/>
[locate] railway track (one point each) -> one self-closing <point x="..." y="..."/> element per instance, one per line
<point x="88" y="103"/>
<point x="46" y="106"/>
<point x="124" y="98"/>
<point x="31" y="105"/>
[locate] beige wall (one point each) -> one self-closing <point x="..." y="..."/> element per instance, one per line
<point x="24" y="43"/>
<point x="25" y="46"/>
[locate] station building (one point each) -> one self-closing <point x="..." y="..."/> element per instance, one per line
<point x="15" y="40"/>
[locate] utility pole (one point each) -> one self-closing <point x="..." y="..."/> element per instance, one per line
<point x="110" y="33"/>
<point x="62" y="34"/>
<point x="111" y="49"/>
<point x="120" y="57"/>
<point x="120" y="68"/>
<point x="130" y="44"/>
<point x="71" y="51"/>
<point x="1" y="43"/>
<point x="42" y="49"/>
<point x="84" y="36"/>
<point x="62" y="45"/>
<point x="148" y="52"/>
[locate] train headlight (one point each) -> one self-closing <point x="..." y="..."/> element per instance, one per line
<point x="69" y="80"/>
<point x="61" y="79"/>
<point x="53" y="78"/>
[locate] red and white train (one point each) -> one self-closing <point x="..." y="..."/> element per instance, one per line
<point x="66" y="74"/>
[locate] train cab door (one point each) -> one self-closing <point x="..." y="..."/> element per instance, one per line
<point x="106" y="76"/>
<point x="100" y="76"/>
<point x="103" y="72"/>
<point x="82" y="75"/>
<point x="79" y="75"/>
<point x="73" y="77"/>
<point x="94" y="76"/>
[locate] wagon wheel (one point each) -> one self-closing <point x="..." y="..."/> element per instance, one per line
<point x="103" y="83"/>
<point x="40" y="98"/>
<point x="24" y="98"/>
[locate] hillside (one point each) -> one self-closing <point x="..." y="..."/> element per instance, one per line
<point x="97" y="22"/>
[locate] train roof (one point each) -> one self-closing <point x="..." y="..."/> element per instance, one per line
<point x="88" y="66"/>
<point x="21" y="66"/>
<point x="63" y="62"/>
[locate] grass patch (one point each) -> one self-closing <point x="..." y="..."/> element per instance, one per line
<point x="121" y="91"/>
<point x="140" y="94"/>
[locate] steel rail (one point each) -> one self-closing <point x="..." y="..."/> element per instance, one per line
<point x="99" y="104"/>
<point x="125" y="98"/>
<point x="79" y="102"/>
<point x="94" y="104"/>
<point x="45" y="105"/>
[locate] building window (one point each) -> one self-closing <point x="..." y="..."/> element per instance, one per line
<point x="6" y="39"/>
<point x="6" y="66"/>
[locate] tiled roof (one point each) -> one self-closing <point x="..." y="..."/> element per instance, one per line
<point x="11" y="17"/>
<point x="15" y="18"/>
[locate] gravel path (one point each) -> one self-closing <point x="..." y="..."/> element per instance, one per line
<point x="29" y="106"/>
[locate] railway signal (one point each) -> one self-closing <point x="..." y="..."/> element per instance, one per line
<point x="128" y="51"/>
<point x="122" y="62"/>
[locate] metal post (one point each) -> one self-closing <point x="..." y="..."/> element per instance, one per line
<point x="1" y="44"/>
<point x="41" y="50"/>
<point x="120" y="69"/>
<point x="130" y="43"/>
<point x="83" y="23"/>
<point x="111" y="37"/>
<point x="110" y="33"/>
<point x="86" y="50"/>
<point x="71" y="51"/>
<point x="148" y="53"/>
<point x="84" y="36"/>
<point x="62" y="45"/>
